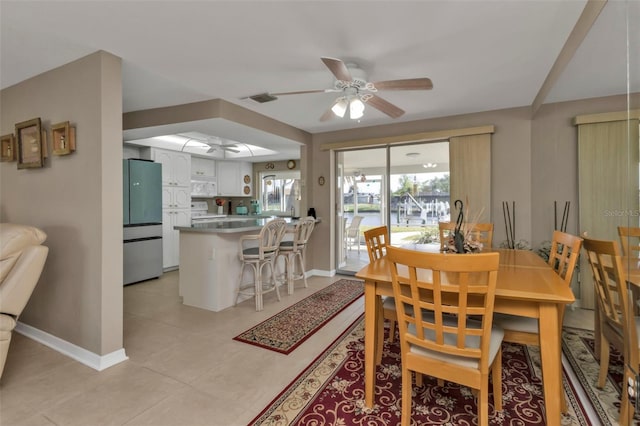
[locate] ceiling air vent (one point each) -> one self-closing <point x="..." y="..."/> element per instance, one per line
<point x="263" y="97"/>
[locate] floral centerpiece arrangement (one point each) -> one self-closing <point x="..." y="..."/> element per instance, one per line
<point x="220" y="203"/>
<point x="463" y="239"/>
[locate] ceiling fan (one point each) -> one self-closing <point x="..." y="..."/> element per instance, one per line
<point x="211" y="143"/>
<point x="216" y="144"/>
<point x="355" y="91"/>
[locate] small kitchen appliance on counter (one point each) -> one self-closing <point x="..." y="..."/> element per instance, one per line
<point x="241" y="209"/>
<point x="255" y="207"/>
<point x="200" y="213"/>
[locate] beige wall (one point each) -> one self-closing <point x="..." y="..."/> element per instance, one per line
<point x="75" y="199"/>
<point x="510" y="157"/>
<point x="320" y="253"/>
<point x="554" y="159"/>
<point x="534" y="162"/>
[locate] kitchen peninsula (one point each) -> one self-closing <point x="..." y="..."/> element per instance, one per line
<point x="209" y="263"/>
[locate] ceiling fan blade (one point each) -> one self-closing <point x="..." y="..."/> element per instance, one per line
<point x="408" y="84"/>
<point x="328" y="114"/>
<point x="387" y="107"/>
<point x="302" y="92"/>
<point x="338" y="68"/>
<point x="235" y="151"/>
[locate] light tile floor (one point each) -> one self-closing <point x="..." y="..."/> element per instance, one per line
<point x="184" y="368"/>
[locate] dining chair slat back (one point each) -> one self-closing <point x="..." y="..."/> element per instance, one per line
<point x="377" y="240"/>
<point x="617" y="323"/>
<point x="630" y="240"/>
<point x="564" y="253"/>
<point x="481" y="232"/>
<point x="437" y="336"/>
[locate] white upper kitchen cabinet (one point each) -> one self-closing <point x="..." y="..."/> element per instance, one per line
<point x="176" y="197"/>
<point x="233" y="177"/>
<point x="176" y="166"/>
<point x="202" y="168"/>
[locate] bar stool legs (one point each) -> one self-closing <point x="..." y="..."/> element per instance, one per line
<point x="258" y="270"/>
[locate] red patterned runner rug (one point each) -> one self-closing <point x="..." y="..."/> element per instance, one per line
<point x="287" y="329"/>
<point x="331" y="391"/>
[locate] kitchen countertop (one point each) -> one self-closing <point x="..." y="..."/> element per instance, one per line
<point x="226" y="226"/>
<point x="235" y="224"/>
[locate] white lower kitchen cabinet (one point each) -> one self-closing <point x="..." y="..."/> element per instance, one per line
<point x="171" y="237"/>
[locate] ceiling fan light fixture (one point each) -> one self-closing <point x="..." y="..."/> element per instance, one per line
<point x="356" y="108"/>
<point x="340" y="107"/>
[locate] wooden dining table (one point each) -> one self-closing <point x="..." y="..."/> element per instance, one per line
<point x="526" y="286"/>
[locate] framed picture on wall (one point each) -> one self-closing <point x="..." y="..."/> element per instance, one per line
<point x="29" y="142"/>
<point x="7" y="148"/>
<point x="63" y="138"/>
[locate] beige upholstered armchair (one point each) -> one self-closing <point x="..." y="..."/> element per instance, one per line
<point x="22" y="258"/>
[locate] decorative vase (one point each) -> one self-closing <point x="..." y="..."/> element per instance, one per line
<point x="220" y="209"/>
<point x="458" y="242"/>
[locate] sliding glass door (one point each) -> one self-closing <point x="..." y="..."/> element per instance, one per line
<point x="405" y="187"/>
<point x="361" y="205"/>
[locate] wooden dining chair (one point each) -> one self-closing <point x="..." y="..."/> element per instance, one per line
<point x="563" y="257"/>
<point x="630" y="240"/>
<point x="481" y="232"/>
<point x="618" y="326"/>
<point x="442" y="341"/>
<point x="377" y="242"/>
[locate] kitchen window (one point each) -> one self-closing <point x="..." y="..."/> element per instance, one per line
<point x="280" y="191"/>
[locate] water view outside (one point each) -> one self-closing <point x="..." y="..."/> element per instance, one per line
<point x="416" y="206"/>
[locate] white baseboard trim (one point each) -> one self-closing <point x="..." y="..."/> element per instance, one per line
<point x="321" y="273"/>
<point x="88" y="358"/>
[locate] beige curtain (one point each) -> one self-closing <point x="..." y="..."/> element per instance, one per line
<point x="470" y="173"/>
<point x="608" y="186"/>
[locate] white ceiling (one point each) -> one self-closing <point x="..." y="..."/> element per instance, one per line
<point x="480" y="55"/>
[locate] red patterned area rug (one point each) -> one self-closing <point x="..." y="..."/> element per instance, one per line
<point x="578" y="347"/>
<point x="331" y="392"/>
<point x="287" y="329"/>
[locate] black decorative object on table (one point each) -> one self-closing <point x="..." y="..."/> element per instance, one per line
<point x="458" y="237"/>
<point x="509" y="224"/>
<point x="312" y="212"/>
